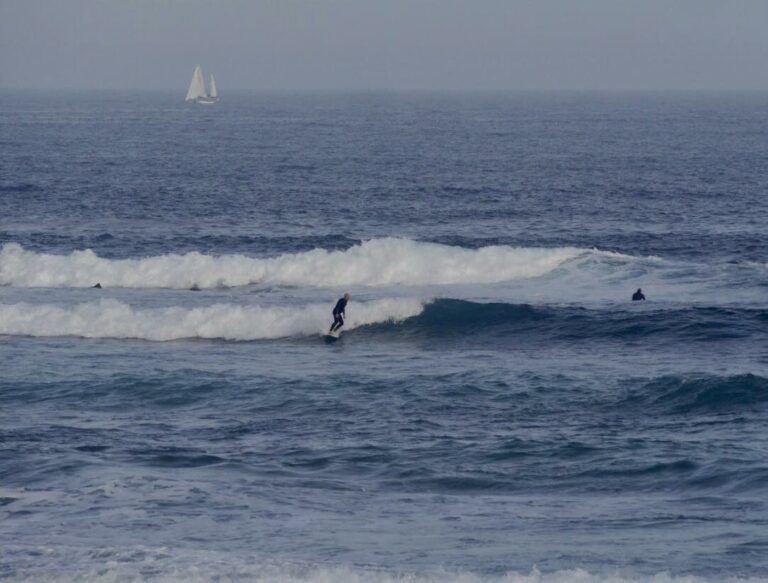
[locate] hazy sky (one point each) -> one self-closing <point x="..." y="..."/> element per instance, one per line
<point x="386" y="44"/>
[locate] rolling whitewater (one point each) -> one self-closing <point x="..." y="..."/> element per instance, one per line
<point x="496" y="409"/>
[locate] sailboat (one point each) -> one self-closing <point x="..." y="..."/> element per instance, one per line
<point x="197" y="93"/>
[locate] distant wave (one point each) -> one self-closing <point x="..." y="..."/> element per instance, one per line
<point x="379" y="262"/>
<point x="22" y="187"/>
<point x="114" y="319"/>
<point x="700" y="394"/>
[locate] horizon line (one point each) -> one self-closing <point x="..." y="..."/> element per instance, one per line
<point x="364" y="90"/>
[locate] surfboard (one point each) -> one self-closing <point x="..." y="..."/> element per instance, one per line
<point x="332" y="337"/>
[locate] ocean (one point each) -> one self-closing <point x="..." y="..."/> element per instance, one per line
<point x="497" y="409"/>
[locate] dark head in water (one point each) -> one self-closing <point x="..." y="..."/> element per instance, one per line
<point x="638" y="295"/>
<point x="97" y="286"/>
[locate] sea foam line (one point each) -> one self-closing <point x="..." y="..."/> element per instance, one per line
<point x="169" y="569"/>
<point x="110" y="318"/>
<point x="375" y="263"/>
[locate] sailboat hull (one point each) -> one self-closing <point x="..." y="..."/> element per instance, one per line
<point x="205" y="100"/>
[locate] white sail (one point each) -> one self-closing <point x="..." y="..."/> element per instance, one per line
<point x="196" y="86"/>
<point x="214" y="93"/>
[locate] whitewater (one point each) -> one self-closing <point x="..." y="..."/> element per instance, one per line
<point x="381" y="262"/>
<point x="115" y="319"/>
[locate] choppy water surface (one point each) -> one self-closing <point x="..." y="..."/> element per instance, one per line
<point x="496" y="409"/>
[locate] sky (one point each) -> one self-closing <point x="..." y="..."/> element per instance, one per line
<point x="386" y="44"/>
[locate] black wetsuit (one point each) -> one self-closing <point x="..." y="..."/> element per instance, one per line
<point x="637" y="296"/>
<point x="338" y="314"/>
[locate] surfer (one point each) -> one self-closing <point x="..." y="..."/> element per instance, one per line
<point x="638" y="295"/>
<point x="338" y="313"/>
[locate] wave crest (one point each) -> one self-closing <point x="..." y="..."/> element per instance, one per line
<point x="379" y="262"/>
<point x="114" y="319"/>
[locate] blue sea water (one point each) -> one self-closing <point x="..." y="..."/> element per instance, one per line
<point x="496" y="408"/>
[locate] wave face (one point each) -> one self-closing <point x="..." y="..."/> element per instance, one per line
<point x="115" y="319"/>
<point x="452" y="317"/>
<point x="700" y="394"/>
<point x="379" y="262"/>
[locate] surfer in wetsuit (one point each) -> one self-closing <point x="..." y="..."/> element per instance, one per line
<point x="338" y="313"/>
<point x="638" y="295"/>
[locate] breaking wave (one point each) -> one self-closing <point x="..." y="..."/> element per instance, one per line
<point x="379" y="262"/>
<point x="398" y="319"/>
<point x="114" y="319"/>
<point x="169" y="565"/>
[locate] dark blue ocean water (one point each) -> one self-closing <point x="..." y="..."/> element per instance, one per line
<point x="496" y="408"/>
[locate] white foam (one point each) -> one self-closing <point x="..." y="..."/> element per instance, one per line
<point x="167" y="566"/>
<point x="379" y="262"/>
<point x="114" y="319"/>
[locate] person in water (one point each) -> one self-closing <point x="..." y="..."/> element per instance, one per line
<point x="638" y="295"/>
<point x="338" y="313"/>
